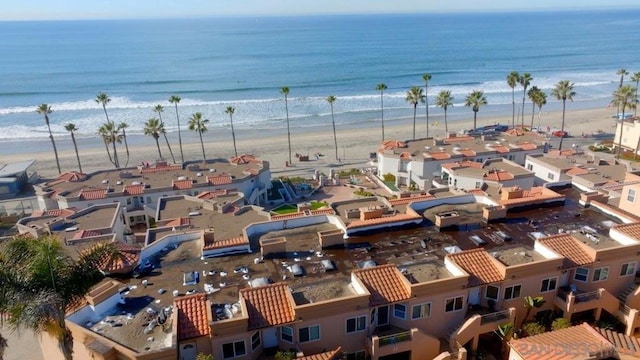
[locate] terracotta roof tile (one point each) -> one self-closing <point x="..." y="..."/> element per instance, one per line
<point x="577" y="171"/>
<point x="480" y="265"/>
<point x="631" y="230"/>
<point x="181" y="221"/>
<point x="220" y="244"/>
<point x="405" y="155"/>
<point x="385" y="283"/>
<point x="243" y="159"/>
<point x="269" y="305"/>
<point x="323" y="212"/>
<point x="628" y="345"/>
<point x="134" y="189"/>
<point x="212" y="194"/>
<point x="547" y="344"/>
<point x="287" y="216"/>
<point x="54" y="212"/>
<point x="126" y="259"/>
<point x="462" y="164"/>
<point x="329" y="355"/>
<point x="455" y="139"/>
<point x="182" y="184"/>
<point x="514" y="132"/>
<point x="467" y="152"/>
<point x="86" y="234"/>
<point x="156" y="169"/>
<point x="71" y="176"/>
<point x="93" y="194"/>
<point x="501" y="175"/>
<point x="501" y="149"/>
<point x="192" y="316"/>
<point x="406" y="200"/>
<point x="383" y="220"/>
<point x="533" y="196"/>
<point x="527" y="146"/>
<point x="219" y="180"/>
<point x="392" y="144"/>
<point x="569" y="247"/>
<point x="440" y="155"/>
<point x="566" y="152"/>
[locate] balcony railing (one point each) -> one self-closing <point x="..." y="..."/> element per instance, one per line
<point x="493" y="317"/>
<point x="587" y="296"/>
<point x="394" y="338"/>
<point x="624" y="309"/>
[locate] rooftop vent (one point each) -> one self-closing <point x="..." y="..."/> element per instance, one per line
<point x="182" y="178"/>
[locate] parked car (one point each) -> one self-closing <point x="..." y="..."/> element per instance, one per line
<point x="560" y="133"/>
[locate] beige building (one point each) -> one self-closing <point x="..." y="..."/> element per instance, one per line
<point x="630" y="129"/>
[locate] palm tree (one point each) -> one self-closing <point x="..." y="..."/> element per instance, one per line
<point x="622" y="73"/>
<point x="230" y="110"/>
<point x="70" y="127"/>
<point x="532" y="94"/>
<point x="285" y="91"/>
<point x="40" y="283"/>
<point x="525" y="81"/>
<point x="159" y="109"/>
<point x="426" y="78"/>
<point x="475" y="99"/>
<point x="123" y="126"/>
<point x="198" y="124"/>
<point x="109" y="135"/>
<point x="4" y="344"/>
<point x="636" y="77"/>
<point x="153" y="127"/>
<point x="45" y="110"/>
<point x="444" y="100"/>
<point x="563" y="91"/>
<point x="512" y="81"/>
<point x="414" y="96"/>
<point x="330" y="100"/>
<point x="382" y="87"/>
<point x="531" y="303"/>
<point x="175" y="99"/>
<point x="104" y="99"/>
<point x="623" y="98"/>
<point x="539" y="99"/>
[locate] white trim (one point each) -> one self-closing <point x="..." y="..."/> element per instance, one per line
<point x="293" y="334"/>
<point x="548" y="290"/>
<point x="575" y="273"/>
<point x="454" y="304"/>
<point x="601" y="268"/>
<point x="308" y="327"/>
<point x="627" y="263"/>
<point x="422" y="317"/>
<point x="346" y="326"/>
<point x="405" y="311"/>
<point x="244" y="344"/>
<point x="512" y="287"/>
<point x="497" y="293"/>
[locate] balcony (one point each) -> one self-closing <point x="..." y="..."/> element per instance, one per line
<point x="478" y="324"/>
<point x="390" y="340"/>
<point x="575" y="301"/>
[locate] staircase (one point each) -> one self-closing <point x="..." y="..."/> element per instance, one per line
<point x="622" y="296"/>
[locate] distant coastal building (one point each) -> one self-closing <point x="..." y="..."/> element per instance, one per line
<point x="499" y="172"/>
<point x="630" y="135"/>
<point x="14" y="178"/>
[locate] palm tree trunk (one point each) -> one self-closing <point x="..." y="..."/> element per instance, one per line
<point x="204" y="157"/>
<point x="414" y="120"/>
<point x="446" y="126"/>
<point x="475" y="114"/>
<point x="524" y="96"/>
<point x="382" y="114"/>
<point x="286" y="107"/>
<point x="179" y="134"/>
<point x="55" y="150"/>
<point x="426" y="100"/>
<point x="621" y="130"/>
<point x="635" y="109"/>
<point x="166" y="139"/>
<point x="75" y="146"/>
<point x="533" y="113"/>
<point x="635" y="154"/>
<point x="106" y="147"/>
<point x="233" y="136"/>
<point x="513" y="105"/>
<point x="158" y="146"/>
<point x="126" y="145"/>
<point x="113" y="136"/>
<point x="335" y="139"/>
<point x="562" y="128"/>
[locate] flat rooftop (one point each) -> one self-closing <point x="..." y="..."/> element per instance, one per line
<point x="425" y="271"/>
<point x="516" y="255"/>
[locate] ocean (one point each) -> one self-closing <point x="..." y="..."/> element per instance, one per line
<point x="213" y="63"/>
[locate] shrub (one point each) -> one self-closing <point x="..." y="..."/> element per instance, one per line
<point x="560" y="323"/>
<point x="285" y="355"/>
<point x="532" y="328"/>
<point x="389" y="177"/>
<point x="363" y="193"/>
<point x="202" y="356"/>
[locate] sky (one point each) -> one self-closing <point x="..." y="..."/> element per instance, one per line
<point x="128" y="9"/>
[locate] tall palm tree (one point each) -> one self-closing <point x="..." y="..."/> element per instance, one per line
<point x="622" y="72"/>
<point x="414" y="96"/>
<point x="512" y="81"/>
<point x="330" y="100"/>
<point x="159" y="109"/>
<point x="198" y="123"/>
<point x="70" y="127"/>
<point x="382" y="87"/>
<point x="426" y="78"/>
<point x="525" y="81"/>
<point x="123" y="126"/>
<point x="285" y="91"/>
<point x="539" y="100"/>
<point x="104" y="99"/>
<point x="624" y="97"/>
<point x="563" y="91"/>
<point x="532" y="94"/>
<point x="153" y="127"/>
<point x="230" y="110"/>
<point x="40" y="282"/>
<point x="444" y="101"/>
<point x="45" y="110"/>
<point x="475" y="100"/>
<point x="175" y="99"/>
<point x="109" y="134"/>
<point x="636" y="77"/>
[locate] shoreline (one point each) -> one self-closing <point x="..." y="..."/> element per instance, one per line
<point x="355" y="143"/>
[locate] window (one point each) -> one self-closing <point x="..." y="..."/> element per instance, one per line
<point x="453" y="304"/>
<point x="550" y="176"/>
<point x="600" y="274"/>
<point x="478" y="184"/>
<point x="400" y="311"/>
<point x="628" y="269"/>
<point x="356" y="324"/>
<point x="631" y="196"/>
<point x="358" y="355"/>
<point x="512" y="292"/>
<point x="233" y="349"/>
<point x="530" y="167"/>
<point x="582" y="274"/>
<point x="255" y="340"/>
<point x="421" y="311"/>
<point x="492" y="292"/>
<point x="307" y="334"/>
<point x="286" y="334"/>
<point x="549" y="284"/>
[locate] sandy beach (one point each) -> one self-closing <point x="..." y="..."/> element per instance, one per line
<point x="354" y="145"/>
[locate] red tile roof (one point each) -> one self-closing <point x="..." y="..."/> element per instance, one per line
<point x="382" y="220"/>
<point x="212" y="194"/>
<point x="182" y="184"/>
<point x="566" y="152"/>
<point x="577" y="171"/>
<point x="243" y="159"/>
<point x="406" y="200"/>
<point x="501" y="149"/>
<point x="467" y="152"/>
<point x="147" y="170"/>
<point x="181" y="221"/>
<point x="500" y="175"/>
<point x="627" y="345"/>
<point x="527" y="146"/>
<point x="269" y="305"/>
<point x="323" y="212"/>
<point x="576" y="341"/>
<point x="133" y="189"/>
<point x="440" y="155"/>
<point x="514" y="132"/>
<point x="287" y="216"/>
<point x="125" y="260"/>
<point x="385" y="283"/>
<point x="86" y="234"/>
<point x="462" y="164"/>
<point x="329" y="355"/>
<point x="221" y="244"/>
<point x="193" y="320"/>
<point x="533" y="196"/>
<point x="405" y="155"/>
<point x="391" y="144"/>
<point x="54" y="212"/>
<point x="455" y="139"/>
<point x="71" y="176"/>
<point x="480" y="265"/>
<point x="569" y="247"/>
<point x="219" y="180"/>
<point x="631" y="230"/>
<point x="93" y="194"/>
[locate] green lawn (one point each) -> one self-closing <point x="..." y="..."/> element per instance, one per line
<point x="289" y="209"/>
<point x="315" y="205"/>
<point x="391" y="185"/>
